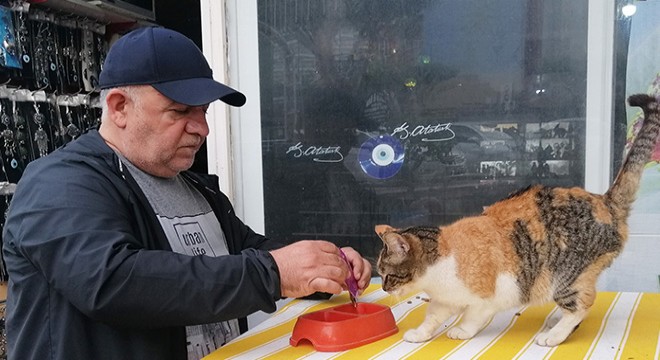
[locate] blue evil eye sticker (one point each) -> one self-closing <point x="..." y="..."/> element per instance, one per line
<point x="381" y="157"/>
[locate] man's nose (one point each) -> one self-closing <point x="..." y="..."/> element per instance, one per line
<point x="197" y="124"/>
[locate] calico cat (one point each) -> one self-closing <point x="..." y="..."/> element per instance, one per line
<point x="538" y="245"/>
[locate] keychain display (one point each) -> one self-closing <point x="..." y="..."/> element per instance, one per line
<point x="34" y="123"/>
<point x="51" y="51"/>
<point x="92" y="55"/>
<point x="43" y="59"/>
<point x="70" y="59"/>
<point x="49" y="69"/>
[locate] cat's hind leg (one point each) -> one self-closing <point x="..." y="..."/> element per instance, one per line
<point x="474" y="319"/>
<point x="436" y="315"/>
<point x="558" y="333"/>
<point x="575" y="306"/>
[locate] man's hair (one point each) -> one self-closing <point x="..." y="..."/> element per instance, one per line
<point x="131" y="90"/>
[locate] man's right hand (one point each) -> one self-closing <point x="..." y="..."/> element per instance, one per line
<point x="309" y="266"/>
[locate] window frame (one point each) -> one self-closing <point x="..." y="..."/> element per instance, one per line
<point x="235" y="145"/>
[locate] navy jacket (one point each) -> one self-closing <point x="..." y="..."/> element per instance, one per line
<point x="92" y="275"/>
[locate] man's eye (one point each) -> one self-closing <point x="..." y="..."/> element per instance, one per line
<point x="188" y="110"/>
<point x="181" y="111"/>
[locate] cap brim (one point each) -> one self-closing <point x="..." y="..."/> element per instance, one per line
<point x="199" y="91"/>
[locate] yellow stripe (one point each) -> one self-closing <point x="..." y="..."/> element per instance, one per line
<point x="499" y="335"/>
<point x="248" y="343"/>
<point x="580" y="342"/>
<point x="438" y="335"/>
<point x="517" y="337"/>
<point x="305" y="348"/>
<point x="532" y="341"/>
<point x="292" y="352"/>
<point x="643" y="338"/>
<point x="603" y="325"/>
<point x="438" y="346"/>
<point x="626" y="330"/>
<point x="465" y="342"/>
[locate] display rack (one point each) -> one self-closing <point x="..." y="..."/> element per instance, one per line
<point x="50" y="61"/>
<point x="109" y="12"/>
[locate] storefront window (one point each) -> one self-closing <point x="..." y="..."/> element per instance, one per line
<point x="637" y="70"/>
<point x="414" y="112"/>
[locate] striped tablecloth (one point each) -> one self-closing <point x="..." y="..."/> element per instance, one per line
<point x="621" y="325"/>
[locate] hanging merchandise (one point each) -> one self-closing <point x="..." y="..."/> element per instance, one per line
<point x="8" y="49"/>
<point x="68" y="36"/>
<point x="49" y="67"/>
<point x="44" y="45"/>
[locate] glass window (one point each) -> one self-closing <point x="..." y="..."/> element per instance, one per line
<point x="414" y="112"/>
<point x="637" y="70"/>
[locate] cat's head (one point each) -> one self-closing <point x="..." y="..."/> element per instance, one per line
<point x="405" y="255"/>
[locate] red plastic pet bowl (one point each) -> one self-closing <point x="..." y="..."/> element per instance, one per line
<point x="344" y="327"/>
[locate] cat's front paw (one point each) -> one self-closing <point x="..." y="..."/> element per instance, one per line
<point x="458" y="333"/>
<point x="416" y="336"/>
<point x="547" y="338"/>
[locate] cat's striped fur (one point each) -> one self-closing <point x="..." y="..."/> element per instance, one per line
<point x="538" y="245"/>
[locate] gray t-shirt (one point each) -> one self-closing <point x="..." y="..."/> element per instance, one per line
<point x="192" y="229"/>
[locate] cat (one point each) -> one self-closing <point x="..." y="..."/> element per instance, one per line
<point x="540" y="244"/>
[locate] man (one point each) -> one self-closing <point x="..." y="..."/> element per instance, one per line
<point x="115" y="251"/>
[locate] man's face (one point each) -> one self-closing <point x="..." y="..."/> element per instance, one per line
<point x="161" y="136"/>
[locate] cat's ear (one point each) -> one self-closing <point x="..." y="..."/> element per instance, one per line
<point x="395" y="244"/>
<point x="381" y="229"/>
<point x="397" y="247"/>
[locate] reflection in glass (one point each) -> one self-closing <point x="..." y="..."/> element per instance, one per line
<point x="637" y="70"/>
<point x="484" y="97"/>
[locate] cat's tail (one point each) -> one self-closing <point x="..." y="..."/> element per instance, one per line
<point x="623" y="191"/>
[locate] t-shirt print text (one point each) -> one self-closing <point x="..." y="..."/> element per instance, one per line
<point x="193" y="240"/>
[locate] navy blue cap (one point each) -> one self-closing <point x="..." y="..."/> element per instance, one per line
<point x="168" y="61"/>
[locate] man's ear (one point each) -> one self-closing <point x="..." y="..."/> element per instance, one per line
<point x="117" y="103"/>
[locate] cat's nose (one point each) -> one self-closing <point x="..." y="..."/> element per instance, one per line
<point x="386" y="284"/>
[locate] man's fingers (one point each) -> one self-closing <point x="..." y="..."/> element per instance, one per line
<point x="357" y="262"/>
<point x="325" y="285"/>
<point x="325" y="246"/>
<point x="316" y="265"/>
<point x="361" y="267"/>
